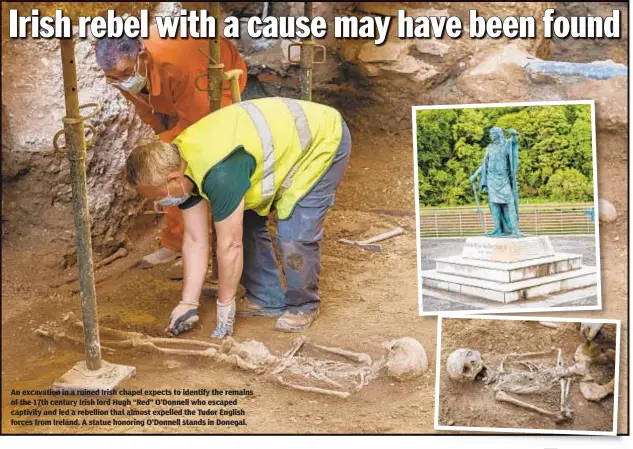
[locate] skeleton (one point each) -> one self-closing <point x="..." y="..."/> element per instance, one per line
<point x="404" y="359"/>
<point x="533" y="376"/>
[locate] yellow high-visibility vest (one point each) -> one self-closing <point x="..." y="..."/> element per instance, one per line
<point x="293" y="143"/>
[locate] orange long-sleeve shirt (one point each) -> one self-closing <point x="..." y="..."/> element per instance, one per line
<point x="174" y="102"/>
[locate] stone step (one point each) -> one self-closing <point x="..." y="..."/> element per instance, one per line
<point x="512" y="291"/>
<point x="509" y="272"/>
<point x="510" y="250"/>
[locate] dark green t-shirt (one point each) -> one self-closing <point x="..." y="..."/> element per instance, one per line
<point x="225" y="184"/>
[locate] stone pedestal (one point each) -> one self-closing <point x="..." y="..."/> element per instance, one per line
<point x="508" y="270"/>
<point x="495" y="249"/>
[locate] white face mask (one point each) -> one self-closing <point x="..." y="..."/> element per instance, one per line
<point x="135" y="83"/>
<point x="173" y="200"/>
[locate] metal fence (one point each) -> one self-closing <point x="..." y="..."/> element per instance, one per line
<point x="534" y="219"/>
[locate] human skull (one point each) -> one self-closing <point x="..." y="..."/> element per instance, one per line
<point x="406" y="359"/>
<point x="464" y="364"/>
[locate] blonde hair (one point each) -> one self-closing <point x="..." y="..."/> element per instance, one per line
<point x="151" y="161"/>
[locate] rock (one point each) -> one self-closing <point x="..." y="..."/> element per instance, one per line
<point x="167" y="9"/>
<point x="508" y="84"/>
<point x="408" y="65"/>
<point x="369" y="70"/>
<point x="389" y="51"/>
<point x="607" y="210"/>
<point x="34" y="118"/>
<point x="593" y="391"/>
<point x="171" y="364"/>
<point x="413" y="9"/>
<point x="611" y="104"/>
<point x="511" y="54"/>
<point x="431" y="47"/>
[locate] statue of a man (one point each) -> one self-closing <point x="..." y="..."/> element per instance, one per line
<point x="498" y="177"/>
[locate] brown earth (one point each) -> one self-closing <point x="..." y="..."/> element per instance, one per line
<point x="473" y="404"/>
<point x="368" y="298"/>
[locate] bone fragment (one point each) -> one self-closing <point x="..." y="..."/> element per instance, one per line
<point x="287" y="357"/>
<point x="56" y="335"/>
<point x="323" y="378"/>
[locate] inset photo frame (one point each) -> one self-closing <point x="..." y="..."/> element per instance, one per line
<point x="527" y="375"/>
<point x="507" y="207"/>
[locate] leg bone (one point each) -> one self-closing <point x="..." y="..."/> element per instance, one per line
<point x="519" y="356"/>
<point x="502" y="396"/>
<point x="340" y="394"/>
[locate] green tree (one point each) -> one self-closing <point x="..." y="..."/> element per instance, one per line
<point x="554" y="140"/>
<point x="568" y="184"/>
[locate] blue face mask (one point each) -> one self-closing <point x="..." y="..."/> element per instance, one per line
<point x="135" y="83"/>
<point x="173" y="200"/>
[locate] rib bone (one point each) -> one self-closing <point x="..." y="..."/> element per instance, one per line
<point x="358" y="357"/>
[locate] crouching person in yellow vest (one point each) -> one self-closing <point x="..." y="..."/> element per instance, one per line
<point x="247" y="160"/>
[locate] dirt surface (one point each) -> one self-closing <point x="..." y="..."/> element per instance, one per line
<point x="368" y="298"/>
<point x="473" y="404"/>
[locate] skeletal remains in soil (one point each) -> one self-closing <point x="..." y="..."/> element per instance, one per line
<point x="534" y="377"/>
<point x="404" y="359"/>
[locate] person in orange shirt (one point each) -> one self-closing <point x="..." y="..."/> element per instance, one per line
<point x="158" y="76"/>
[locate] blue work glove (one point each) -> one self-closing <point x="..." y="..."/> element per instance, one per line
<point x="183" y="318"/>
<point x="226" y="318"/>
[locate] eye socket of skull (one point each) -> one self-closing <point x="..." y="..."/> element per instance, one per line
<point x="463" y="365"/>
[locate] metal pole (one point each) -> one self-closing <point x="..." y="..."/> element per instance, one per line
<point x="215" y="76"/>
<point x="76" y="144"/>
<point x="307" y="59"/>
<point x="215" y="67"/>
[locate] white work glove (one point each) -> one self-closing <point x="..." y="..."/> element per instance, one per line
<point x="226" y="318"/>
<point x="590" y="330"/>
<point x="183" y="318"/>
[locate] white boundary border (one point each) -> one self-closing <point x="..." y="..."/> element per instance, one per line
<point x="438" y="366"/>
<point x="414" y="109"/>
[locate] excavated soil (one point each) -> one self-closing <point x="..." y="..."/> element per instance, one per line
<point x="473" y="404"/>
<point x="368" y="298"/>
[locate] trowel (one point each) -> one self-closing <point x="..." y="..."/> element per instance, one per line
<point x="370" y="243"/>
